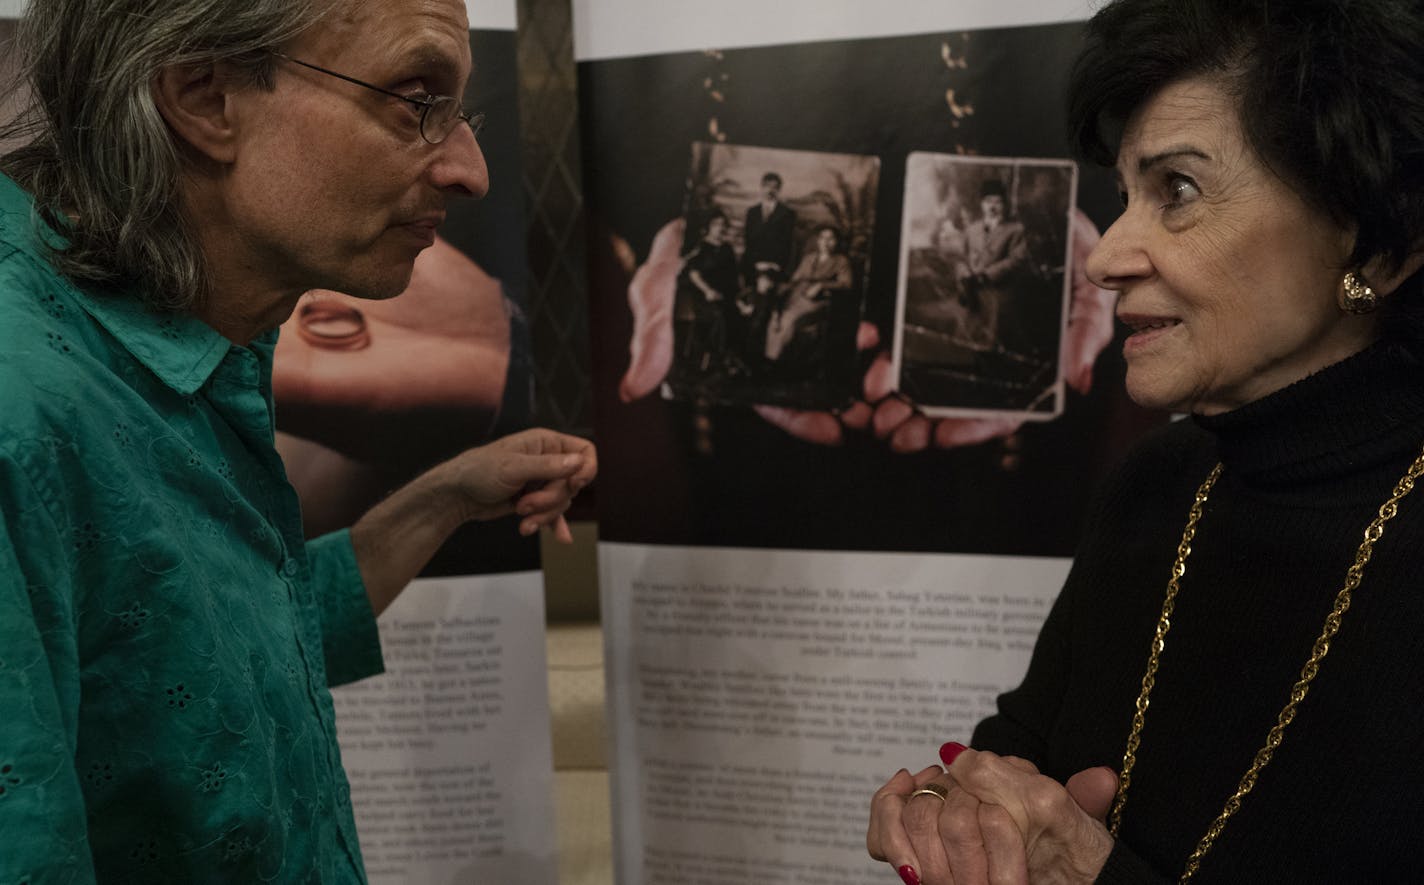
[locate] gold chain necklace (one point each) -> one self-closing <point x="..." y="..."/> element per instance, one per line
<point x="1373" y="533"/>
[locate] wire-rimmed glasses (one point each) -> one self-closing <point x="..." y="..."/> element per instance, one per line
<point x="439" y="114"/>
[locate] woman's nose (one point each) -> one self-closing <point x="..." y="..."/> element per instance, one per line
<point x="1119" y="257"/>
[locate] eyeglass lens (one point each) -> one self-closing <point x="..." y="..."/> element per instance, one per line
<point x="442" y="115"/>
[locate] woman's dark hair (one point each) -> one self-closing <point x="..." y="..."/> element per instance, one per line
<point x="710" y="216"/>
<point x="1330" y="95"/>
<point x="835" y="232"/>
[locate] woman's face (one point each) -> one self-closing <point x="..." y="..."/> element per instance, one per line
<point x="1225" y="276"/>
<point x="716" y="231"/>
<point x="826" y="241"/>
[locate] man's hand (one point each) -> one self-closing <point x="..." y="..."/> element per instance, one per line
<point x="534" y="473"/>
<point x="1090" y="312"/>
<point x="650" y="297"/>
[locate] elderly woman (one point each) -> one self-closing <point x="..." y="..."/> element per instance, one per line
<point x="1230" y="681"/>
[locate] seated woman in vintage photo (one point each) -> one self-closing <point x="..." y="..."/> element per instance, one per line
<point x="706" y="287"/>
<point x="799" y="323"/>
<point x="937" y="307"/>
<point x="1228" y="685"/>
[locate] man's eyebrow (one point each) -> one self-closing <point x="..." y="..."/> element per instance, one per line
<point x="431" y="59"/>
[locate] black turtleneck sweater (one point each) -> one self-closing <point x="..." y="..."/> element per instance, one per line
<point x="1305" y="471"/>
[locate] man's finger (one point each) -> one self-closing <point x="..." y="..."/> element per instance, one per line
<point x="952" y="432"/>
<point x="912" y="436"/>
<point x="879" y="378"/>
<point x="821" y="428"/>
<point x="650" y="297"/>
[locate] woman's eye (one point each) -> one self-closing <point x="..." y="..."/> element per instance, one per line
<point x="1181" y="190"/>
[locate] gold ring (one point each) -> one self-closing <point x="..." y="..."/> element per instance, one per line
<point x="332" y="325"/>
<point x="939" y="791"/>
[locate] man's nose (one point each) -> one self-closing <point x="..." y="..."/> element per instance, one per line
<point x="460" y="168"/>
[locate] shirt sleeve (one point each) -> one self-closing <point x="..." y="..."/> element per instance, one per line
<point x="42" y="810"/>
<point x="350" y="641"/>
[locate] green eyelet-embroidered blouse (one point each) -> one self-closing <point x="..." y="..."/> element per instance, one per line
<point x="166" y="635"/>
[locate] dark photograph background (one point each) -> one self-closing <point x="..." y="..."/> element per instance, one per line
<point x="680" y="473"/>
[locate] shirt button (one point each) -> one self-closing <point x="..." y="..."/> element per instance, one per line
<point x="290" y="568"/>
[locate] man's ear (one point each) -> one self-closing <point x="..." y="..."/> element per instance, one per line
<point x="196" y="102"/>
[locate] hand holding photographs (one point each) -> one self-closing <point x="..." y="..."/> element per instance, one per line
<point x="775" y="255"/>
<point x="983" y="287"/>
<point x="995" y="283"/>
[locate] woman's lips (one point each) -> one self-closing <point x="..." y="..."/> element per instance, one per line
<point x="1146" y="330"/>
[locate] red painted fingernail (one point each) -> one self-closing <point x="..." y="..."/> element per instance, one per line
<point x="907" y="873"/>
<point x="950" y="751"/>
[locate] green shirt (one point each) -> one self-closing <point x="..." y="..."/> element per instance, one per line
<point x="166" y="635"/>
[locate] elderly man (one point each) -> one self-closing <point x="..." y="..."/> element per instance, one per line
<point x="189" y="169"/>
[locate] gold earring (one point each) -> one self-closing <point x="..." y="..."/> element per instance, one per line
<point x="1356" y="297"/>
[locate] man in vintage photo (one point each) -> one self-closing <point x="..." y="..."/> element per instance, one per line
<point x="769" y="235"/>
<point x="996" y="254"/>
<point x="769" y="248"/>
<point x="185" y="171"/>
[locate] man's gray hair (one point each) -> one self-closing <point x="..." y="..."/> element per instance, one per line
<point x="97" y="156"/>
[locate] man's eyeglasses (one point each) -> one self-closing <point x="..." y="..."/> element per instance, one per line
<point x="439" y="114"/>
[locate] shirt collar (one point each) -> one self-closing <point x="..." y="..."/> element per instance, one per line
<point x="181" y="350"/>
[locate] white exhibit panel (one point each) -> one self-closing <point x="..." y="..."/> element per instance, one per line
<point x="757" y="698"/>
<point x="448" y="752"/>
<point x="492" y="15"/>
<point x="618" y="28"/>
<point x="499" y="15"/>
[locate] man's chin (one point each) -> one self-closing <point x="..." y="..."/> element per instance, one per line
<point x="378" y="287"/>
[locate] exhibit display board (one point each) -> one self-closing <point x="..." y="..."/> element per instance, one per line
<point x="448" y="752"/>
<point x="853" y="392"/>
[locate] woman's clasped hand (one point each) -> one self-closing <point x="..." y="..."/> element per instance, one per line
<point x="991" y="819"/>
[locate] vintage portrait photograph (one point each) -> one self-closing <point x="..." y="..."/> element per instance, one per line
<point x="776" y="255"/>
<point x="983" y="290"/>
